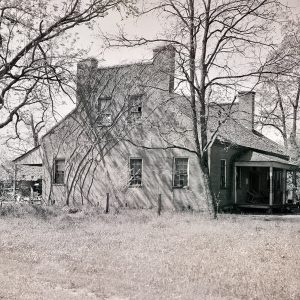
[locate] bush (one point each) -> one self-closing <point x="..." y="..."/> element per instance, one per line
<point x="25" y="209"/>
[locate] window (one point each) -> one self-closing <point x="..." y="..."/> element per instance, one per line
<point x="135" y="172"/>
<point x="59" y="171"/>
<point x="104" y="111"/>
<point x="180" y="172"/>
<point x="238" y="177"/>
<point x="223" y="174"/>
<point x="135" y="108"/>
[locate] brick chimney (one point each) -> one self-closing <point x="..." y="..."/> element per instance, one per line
<point x="164" y="61"/>
<point x="86" y="75"/>
<point x="246" y="109"/>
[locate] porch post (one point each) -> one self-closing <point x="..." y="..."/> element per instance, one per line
<point x="271" y="186"/>
<point x="284" y="186"/>
<point x="235" y="181"/>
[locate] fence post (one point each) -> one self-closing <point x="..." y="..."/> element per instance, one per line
<point x="107" y="203"/>
<point x="159" y="205"/>
<point x="15" y="182"/>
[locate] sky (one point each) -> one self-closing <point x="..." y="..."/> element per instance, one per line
<point x="147" y="26"/>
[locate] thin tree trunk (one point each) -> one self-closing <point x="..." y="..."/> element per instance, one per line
<point x="283" y="118"/>
<point x="35" y="135"/>
<point x="202" y="155"/>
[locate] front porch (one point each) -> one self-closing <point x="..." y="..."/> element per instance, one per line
<point x="261" y="181"/>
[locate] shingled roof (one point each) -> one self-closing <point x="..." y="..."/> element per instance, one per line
<point x="254" y="157"/>
<point x="234" y="133"/>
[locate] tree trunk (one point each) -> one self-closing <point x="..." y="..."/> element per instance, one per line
<point x="35" y="135"/>
<point x="202" y="155"/>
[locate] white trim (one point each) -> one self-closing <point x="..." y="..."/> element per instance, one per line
<point x="271" y="187"/>
<point x="284" y="186"/>
<point x="267" y="164"/>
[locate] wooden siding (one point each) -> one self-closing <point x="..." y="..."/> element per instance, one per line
<point x="98" y="166"/>
<point x="217" y="153"/>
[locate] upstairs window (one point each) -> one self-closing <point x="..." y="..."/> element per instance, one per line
<point x="181" y="176"/>
<point x="135" y="171"/>
<point x="59" y="171"/>
<point x="223" y="173"/>
<point x="104" y="111"/>
<point x="135" y="108"/>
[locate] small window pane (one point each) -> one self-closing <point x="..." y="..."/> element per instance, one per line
<point x="135" y="108"/>
<point x="181" y="172"/>
<point x="135" y="171"/>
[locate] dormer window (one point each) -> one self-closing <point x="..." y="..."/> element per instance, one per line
<point x="104" y="111"/>
<point x="135" y="108"/>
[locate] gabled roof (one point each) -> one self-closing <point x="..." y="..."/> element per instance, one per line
<point x="60" y="122"/>
<point x="233" y="132"/>
<point x="37" y="159"/>
<point x="253" y="156"/>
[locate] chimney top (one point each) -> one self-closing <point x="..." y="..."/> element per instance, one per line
<point x="163" y="48"/>
<point x="89" y="62"/>
<point x="164" y="62"/>
<point x="246" y="108"/>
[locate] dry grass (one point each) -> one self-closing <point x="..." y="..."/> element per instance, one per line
<point x="137" y="255"/>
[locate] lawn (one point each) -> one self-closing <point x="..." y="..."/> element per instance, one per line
<point x="138" y="255"/>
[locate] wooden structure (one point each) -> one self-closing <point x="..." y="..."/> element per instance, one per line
<point x="119" y="138"/>
<point x="28" y="169"/>
<point x="261" y="180"/>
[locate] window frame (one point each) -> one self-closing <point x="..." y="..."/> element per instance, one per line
<point x="225" y="174"/>
<point x="55" y="181"/>
<point x="187" y="173"/>
<point x="132" y="112"/>
<point x="130" y="184"/>
<point x="105" y="112"/>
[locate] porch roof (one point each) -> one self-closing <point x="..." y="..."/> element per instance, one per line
<point x="236" y="134"/>
<point x="257" y="159"/>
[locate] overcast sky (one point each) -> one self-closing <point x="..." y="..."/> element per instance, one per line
<point x="146" y="26"/>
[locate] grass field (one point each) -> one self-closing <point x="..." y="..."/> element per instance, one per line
<point x="138" y="255"/>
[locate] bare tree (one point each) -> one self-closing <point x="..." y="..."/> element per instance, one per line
<point x="35" y="59"/>
<point x="219" y="46"/>
<point x="281" y="89"/>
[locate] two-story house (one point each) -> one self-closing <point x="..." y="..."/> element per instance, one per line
<point x="130" y="135"/>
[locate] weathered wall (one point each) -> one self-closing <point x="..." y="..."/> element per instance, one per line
<point x="97" y="159"/>
<point x="110" y="174"/>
